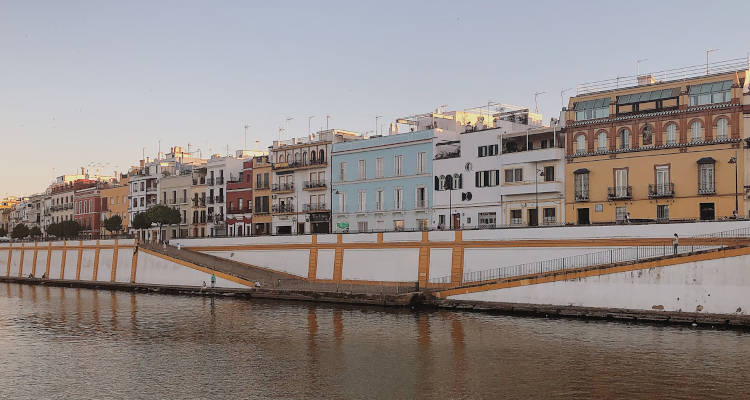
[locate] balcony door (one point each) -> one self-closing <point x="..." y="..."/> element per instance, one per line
<point x="662" y="180"/>
<point x="621" y="183"/>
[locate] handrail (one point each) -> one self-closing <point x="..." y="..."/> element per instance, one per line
<point x="611" y="256"/>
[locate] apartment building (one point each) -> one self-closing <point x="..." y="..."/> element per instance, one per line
<point x="115" y="202"/>
<point x="659" y="147"/>
<point x="239" y="204"/>
<point x="219" y="169"/>
<point x="197" y="194"/>
<point x="262" y="175"/>
<point x="87" y="206"/>
<point x="301" y="189"/>
<point x="174" y="188"/>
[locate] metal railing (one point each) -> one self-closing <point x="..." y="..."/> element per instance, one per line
<point x="706" y="189"/>
<point x="282" y="208"/>
<point x="619" y="192"/>
<point x="315" y="184"/>
<point x="282" y="187"/>
<point x="661" y="190"/>
<point x="606" y="257"/>
<point x="582" y="195"/>
<point x="316" y="207"/>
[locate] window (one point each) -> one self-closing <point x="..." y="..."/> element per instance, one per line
<point x="362" y="226"/>
<point x="549" y="216"/>
<point x="321" y="156"/>
<point x="621" y="183"/>
<point x="601" y="141"/>
<point x="549" y="173"/>
<point x="707" y="93"/>
<point x="486" y="178"/>
<point x="487" y="219"/>
<point x="663" y="186"/>
<point x="581" y="144"/>
<point x="421" y="198"/>
<point x="582" y="186"/>
<point x="421" y="165"/>
<point x="362" y="201"/>
<point x="342" y="202"/>
<point x="513" y="175"/>
<point x="488" y="150"/>
<point x="239" y="204"/>
<point x="647" y="136"/>
<point x="598" y="108"/>
<point x="379" y="200"/>
<point x="671" y="134"/>
<point x="423" y="224"/>
<point x="342" y="168"/>
<point x="624" y="139"/>
<point x="398" y="165"/>
<point x="398" y="225"/>
<point x="621" y="214"/>
<point x="398" y="198"/>
<point x="516" y="217"/>
<point x="706" y="178"/>
<point x="379" y="167"/>
<point x="696" y="130"/>
<point x="662" y="212"/>
<point x="361" y="170"/>
<point x="265" y="180"/>
<point x="722" y="129"/>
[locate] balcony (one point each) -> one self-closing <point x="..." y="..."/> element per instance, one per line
<point x="282" y="187"/>
<point x="199" y="202"/>
<point x="258" y="211"/>
<point x="210" y="181"/>
<point x="300" y="164"/>
<point x="244" y="210"/>
<point x="201" y="181"/>
<point x="282" y="208"/>
<point x="262" y="187"/>
<point x="210" y="218"/>
<point x="316" y="207"/>
<point x="706" y="189"/>
<point x="210" y="200"/>
<point x="219" y="199"/>
<point x="421" y="204"/>
<point x="220" y="180"/>
<point x="315" y="185"/>
<point x="531" y="156"/>
<point x="582" y="195"/>
<point x="661" y="190"/>
<point x="619" y="192"/>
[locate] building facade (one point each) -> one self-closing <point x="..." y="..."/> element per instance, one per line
<point x="220" y="169"/>
<point x="658" y="151"/>
<point x="174" y="191"/>
<point x="197" y="193"/>
<point x="115" y="202"/>
<point x="88" y="205"/>
<point x="239" y="204"/>
<point x="383" y="183"/>
<point x="262" y="175"/>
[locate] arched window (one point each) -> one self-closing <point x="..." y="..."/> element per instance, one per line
<point x="581" y="144"/>
<point x="304" y="158"/>
<point x="696" y="131"/>
<point x="624" y="139"/>
<point x="312" y="155"/>
<point x="298" y="157"/>
<point x="601" y="141"/>
<point x="722" y="129"/>
<point x="321" y="156"/>
<point x="647" y="136"/>
<point x="671" y="134"/>
<point x="281" y="158"/>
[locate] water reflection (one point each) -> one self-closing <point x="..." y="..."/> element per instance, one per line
<point x="78" y="343"/>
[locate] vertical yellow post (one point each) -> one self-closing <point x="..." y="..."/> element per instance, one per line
<point x="49" y="258"/>
<point x="114" y="262"/>
<point x="64" y="255"/>
<point x="10" y="258"/>
<point x="424" y="260"/>
<point x="338" y="264"/>
<point x="36" y="253"/>
<point x="457" y="260"/>
<point x="78" y="262"/>
<point x="95" y="273"/>
<point x="312" y="267"/>
<point x="133" y="266"/>
<point x="380" y="237"/>
<point x="20" y="262"/>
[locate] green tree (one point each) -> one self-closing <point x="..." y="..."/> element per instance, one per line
<point x="54" y="229"/>
<point x="141" y="221"/>
<point x="163" y="215"/>
<point x="20" y="231"/>
<point x="35" y="232"/>
<point x="113" y="224"/>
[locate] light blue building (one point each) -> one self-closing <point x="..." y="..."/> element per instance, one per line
<point x="383" y="183"/>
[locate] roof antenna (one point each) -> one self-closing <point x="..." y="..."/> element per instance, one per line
<point x="536" y="104"/>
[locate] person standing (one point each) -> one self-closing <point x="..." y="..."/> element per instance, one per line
<point x="213" y="280"/>
<point x="675" y="243"/>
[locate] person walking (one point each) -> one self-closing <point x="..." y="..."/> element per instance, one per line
<point x="675" y="243"/>
<point x="213" y="280"/>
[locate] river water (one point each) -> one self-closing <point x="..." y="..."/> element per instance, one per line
<point x="60" y="343"/>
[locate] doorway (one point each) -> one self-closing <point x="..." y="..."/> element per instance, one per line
<point x="300" y="228"/>
<point x="583" y="216"/>
<point x="457" y="221"/>
<point x="707" y="211"/>
<point x="533" y="217"/>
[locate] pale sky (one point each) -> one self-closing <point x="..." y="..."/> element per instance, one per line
<point x="94" y="82"/>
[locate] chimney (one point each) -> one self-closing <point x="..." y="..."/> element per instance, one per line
<point x="646" y="79"/>
<point x="83" y="171"/>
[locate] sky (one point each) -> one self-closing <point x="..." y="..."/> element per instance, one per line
<point x="91" y="84"/>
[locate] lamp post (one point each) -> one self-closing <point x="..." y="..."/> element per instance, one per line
<point x="538" y="173"/>
<point x="709" y="51"/>
<point x="733" y="160"/>
<point x="449" y="184"/>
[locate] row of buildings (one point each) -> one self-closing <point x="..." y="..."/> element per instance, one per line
<point x="656" y="148"/>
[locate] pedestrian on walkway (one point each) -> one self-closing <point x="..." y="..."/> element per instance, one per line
<point x="213" y="280"/>
<point x="675" y="243"/>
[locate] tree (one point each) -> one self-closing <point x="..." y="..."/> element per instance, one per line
<point x="141" y="221"/>
<point x="3" y="232"/>
<point x="163" y="215"/>
<point x="65" y="229"/>
<point x="35" y="232"/>
<point x="20" y="231"/>
<point x="113" y="223"/>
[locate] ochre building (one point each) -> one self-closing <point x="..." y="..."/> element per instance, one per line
<point x="659" y="151"/>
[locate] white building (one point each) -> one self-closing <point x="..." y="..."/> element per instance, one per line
<point x="220" y="169"/>
<point x="499" y="172"/>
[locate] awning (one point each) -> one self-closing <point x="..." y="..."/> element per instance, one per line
<point x="581" y="171"/>
<point x="707" y="160"/>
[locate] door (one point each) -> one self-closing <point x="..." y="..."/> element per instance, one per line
<point x="456" y="221"/>
<point x="583" y="216"/>
<point x="533" y="217"/>
<point x="707" y="211"/>
<point x="621" y="183"/>
<point x="662" y="180"/>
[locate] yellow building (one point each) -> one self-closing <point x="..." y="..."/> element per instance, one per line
<point x="261" y="196"/>
<point x="115" y="202"/>
<point x="657" y="151"/>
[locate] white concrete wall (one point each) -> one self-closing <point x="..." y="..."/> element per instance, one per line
<point x="41" y="263"/>
<point x="155" y="270"/>
<point x="290" y="261"/>
<point x="374" y="265"/>
<point x="402" y="236"/>
<point x="325" y="264"/>
<point x="87" y="265"/>
<point x="246" y="240"/>
<point x="440" y="262"/>
<point x="105" y="265"/>
<point x="360" y="238"/>
<point x="71" y="263"/>
<point x="718" y="286"/>
<point x="124" y="265"/>
<point x="484" y="259"/>
<point x="15" y="264"/>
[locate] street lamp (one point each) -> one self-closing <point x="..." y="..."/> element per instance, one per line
<point x="733" y="160"/>
<point x="538" y="173"/>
